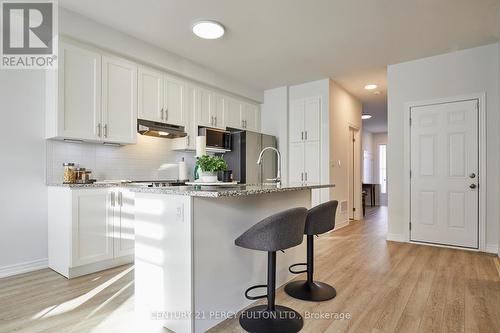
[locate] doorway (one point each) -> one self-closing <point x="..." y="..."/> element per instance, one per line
<point x="444" y="173"/>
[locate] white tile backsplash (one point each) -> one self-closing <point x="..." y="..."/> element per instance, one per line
<point x="132" y="162"/>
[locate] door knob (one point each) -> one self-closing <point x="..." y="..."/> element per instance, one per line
<point x="472" y="186"/>
<point x="472" y="175"/>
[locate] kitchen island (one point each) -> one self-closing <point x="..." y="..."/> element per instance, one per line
<point x="189" y="275"/>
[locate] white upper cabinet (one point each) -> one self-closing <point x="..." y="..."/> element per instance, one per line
<point x="91" y="97"/>
<point x="162" y="97"/>
<point x="204" y="107"/>
<point x="312" y="119"/>
<point x="250" y="117"/>
<point x="119" y="100"/>
<point x="219" y="108"/>
<point x="296" y="121"/>
<point x="174" y="101"/>
<point x="74" y="95"/>
<point x="150" y="88"/>
<point x="232" y="115"/>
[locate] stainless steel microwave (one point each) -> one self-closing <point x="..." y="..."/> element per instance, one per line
<point x="218" y="141"/>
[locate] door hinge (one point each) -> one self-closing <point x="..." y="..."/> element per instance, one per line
<point x="353" y="209"/>
<point x="411" y="121"/>
<point x="410" y="225"/>
<point x="410" y="173"/>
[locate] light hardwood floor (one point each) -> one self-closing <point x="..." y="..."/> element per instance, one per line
<point x="383" y="287"/>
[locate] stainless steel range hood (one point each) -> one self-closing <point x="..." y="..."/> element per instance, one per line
<point x="160" y="130"/>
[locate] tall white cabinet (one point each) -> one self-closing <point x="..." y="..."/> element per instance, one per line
<point x="305" y="141"/>
<point x="91" y="97"/>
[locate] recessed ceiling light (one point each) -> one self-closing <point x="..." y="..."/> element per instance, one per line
<point x="366" y="116"/>
<point x="370" y="86"/>
<point x="208" y="29"/>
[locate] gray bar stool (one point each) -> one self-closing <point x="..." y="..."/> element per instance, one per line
<point x="276" y="232"/>
<point x="320" y="219"/>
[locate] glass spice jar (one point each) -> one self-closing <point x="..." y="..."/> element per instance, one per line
<point x="69" y="175"/>
<point x="80" y="175"/>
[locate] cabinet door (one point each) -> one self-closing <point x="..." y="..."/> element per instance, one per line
<point x="296" y="163"/>
<point x="312" y="162"/>
<point x="220" y="106"/>
<point x="79" y="104"/>
<point x="232" y="117"/>
<point x="119" y="100"/>
<point x="312" y="119"/>
<point x="250" y="114"/>
<point x="150" y="96"/>
<point x="296" y="121"/>
<point x="92" y="230"/>
<point x="124" y="219"/>
<point x="174" y="92"/>
<point x="204" y="107"/>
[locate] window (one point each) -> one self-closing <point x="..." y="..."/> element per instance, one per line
<point x="382" y="166"/>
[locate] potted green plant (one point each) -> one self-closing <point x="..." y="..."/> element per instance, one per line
<point x="209" y="166"/>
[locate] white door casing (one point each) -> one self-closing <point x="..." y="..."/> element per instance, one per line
<point x="444" y="153"/>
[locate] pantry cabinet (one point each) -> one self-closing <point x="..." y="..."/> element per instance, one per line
<point x="89" y="229"/>
<point x="91" y="97"/>
<point x="305" y="141"/>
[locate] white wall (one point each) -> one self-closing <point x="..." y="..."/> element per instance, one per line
<point x="345" y="112"/>
<point x="23" y="195"/>
<point x="274" y="121"/>
<point x="468" y="71"/>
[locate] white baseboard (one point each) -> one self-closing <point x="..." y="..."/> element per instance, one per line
<point x="491" y="248"/>
<point x="397" y="238"/>
<point x="341" y="224"/>
<point x="23" y="267"/>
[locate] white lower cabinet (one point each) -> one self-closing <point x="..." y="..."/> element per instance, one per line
<point x="89" y="229"/>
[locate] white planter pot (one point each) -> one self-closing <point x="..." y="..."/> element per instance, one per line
<point x="208" y="177"/>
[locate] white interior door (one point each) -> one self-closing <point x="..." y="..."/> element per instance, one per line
<point x="350" y="172"/>
<point x="444" y="173"/>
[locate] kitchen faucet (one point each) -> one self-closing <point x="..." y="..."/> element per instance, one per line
<point x="259" y="162"/>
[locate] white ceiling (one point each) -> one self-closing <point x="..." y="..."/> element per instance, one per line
<point x="271" y="43"/>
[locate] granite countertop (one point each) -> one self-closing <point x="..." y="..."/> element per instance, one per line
<point x="229" y="191"/>
<point x="81" y="186"/>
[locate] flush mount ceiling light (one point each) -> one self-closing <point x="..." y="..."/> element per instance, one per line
<point x="208" y="29"/>
<point x="366" y="116"/>
<point x="370" y="86"/>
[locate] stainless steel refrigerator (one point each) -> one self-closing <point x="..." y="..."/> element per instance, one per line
<point x="242" y="160"/>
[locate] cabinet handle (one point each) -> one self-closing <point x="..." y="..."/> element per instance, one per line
<point x="215" y="121"/>
<point x="306" y="135"/>
<point x="161" y="114"/>
<point x="99" y="130"/>
<point x="187" y="138"/>
<point x="301" y="135"/>
<point x="112" y="199"/>
<point x="106" y="130"/>
<point x="306" y="176"/>
<point x="120" y="199"/>
<point x="302" y="176"/>
<point x="166" y="114"/>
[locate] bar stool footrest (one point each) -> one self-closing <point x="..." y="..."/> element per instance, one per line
<point x="253" y="298"/>
<point x="295" y="265"/>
